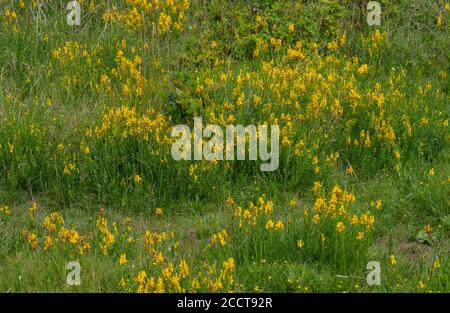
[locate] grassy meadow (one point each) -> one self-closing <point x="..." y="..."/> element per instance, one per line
<point x="86" y="172"/>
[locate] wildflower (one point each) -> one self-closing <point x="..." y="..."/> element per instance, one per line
<point x="229" y="264"/>
<point x="279" y="225"/>
<point x="195" y="283"/>
<point x="349" y="170"/>
<point x="436" y="264"/>
<point x="47" y="243"/>
<point x="340" y="227"/>
<point x="32" y="210"/>
<point x="184" y="268"/>
<point x="159" y="212"/>
<point x="363" y="69"/>
<point x="291" y="28"/>
<point x="317" y="186"/>
<point x="360" y="236"/>
<point x="378" y="204"/>
<point x="431" y="172"/>
<point x="269" y="224"/>
<point x="230" y="202"/>
<point x="428" y="229"/>
<point x="221" y="238"/>
<point x="392" y="260"/>
<point x="140" y="278"/>
<point x="123" y="259"/>
<point x="293" y="202"/>
<point x="137" y="179"/>
<point x="48" y="224"/>
<point x="5" y="210"/>
<point x="300" y="243"/>
<point x="174" y="283"/>
<point x="316" y="218"/>
<point x="159" y="258"/>
<point x="159" y="285"/>
<point x="421" y="285"/>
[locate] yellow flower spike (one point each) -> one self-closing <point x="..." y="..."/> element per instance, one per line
<point x="137" y="179"/>
<point x="159" y="258"/>
<point x="392" y="260"/>
<point x="363" y="69"/>
<point x="349" y="170"/>
<point x="269" y="224"/>
<point x="428" y="229"/>
<point x="159" y="212"/>
<point x="436" y="264"/>
<point x="184" y="268"/>
<point x="340" y="227"/>
<point x="123" y="259"/>
<point x="32" y="210"/>
<point x="279" y="225"/>
<point x="48" y="243"/>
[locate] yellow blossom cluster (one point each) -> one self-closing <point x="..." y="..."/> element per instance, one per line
<point x="166" y="14"/>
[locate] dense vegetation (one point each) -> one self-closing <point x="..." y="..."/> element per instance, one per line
<point x="86" y="171"/>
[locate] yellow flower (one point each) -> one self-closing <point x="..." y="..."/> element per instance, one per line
<point x="431" y="172"/>
<point x="392" y="260"/>
<point x="159" y="258"/>
<point x="421" y="285"/>
<point x="349" y="170"/>
<point x="229" y="264"/>
<point x="293" y="202"/>
<point x="32" y="210"/>
<point x="300" y="243"/>
<point x="354" y="220"/>
<point x="428" y="229"/>
<point x="279" y="225"/>
<point x="184" y="268"/>
<point x="195" y="283"/>
<point x="221" y="238"/>
<point x="159" y="212"/>
<point x="123" y="259"/>
<point x="137" y="179"/>
<point x="363" y="69"/>
<point x="291" y="28"/>
<point x="140" y="278"/>
<point x="316" y="218"/>
<point x="48" y="243"/>
<point x="317" y="186"/>
<point x="340" y="227"/>
<point x="5" y="210"/>
<point x="436" y="264"/>
<point x="378" y="204"/>
<point x="269" y="224"/>
<point x="360" y="236"/>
